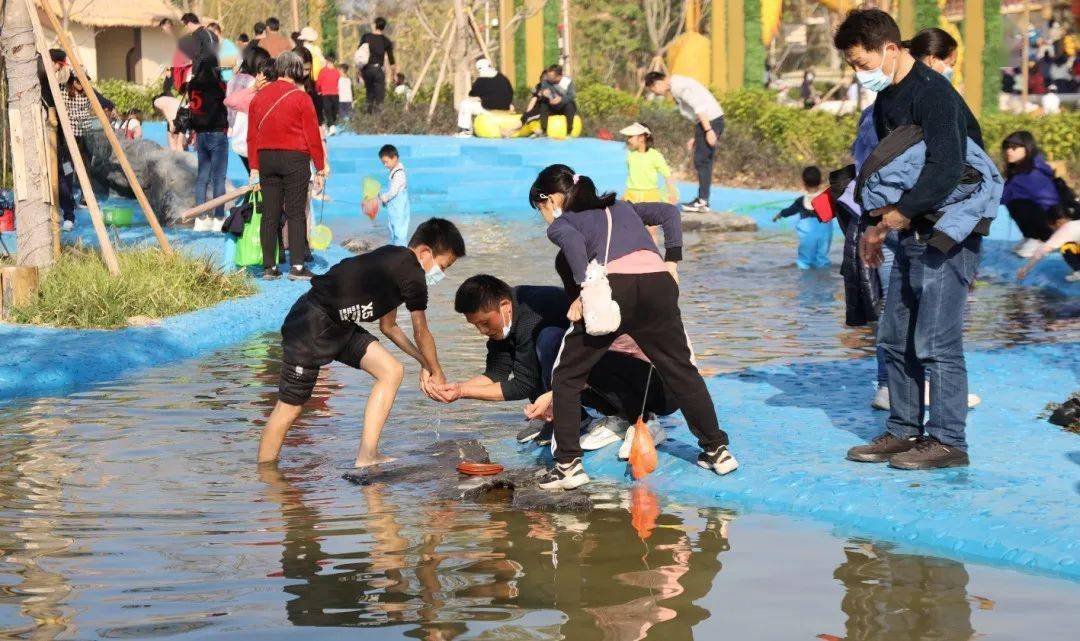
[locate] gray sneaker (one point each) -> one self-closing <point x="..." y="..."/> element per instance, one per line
<point x="929" y="454"/>
<point x="880" y="449"/>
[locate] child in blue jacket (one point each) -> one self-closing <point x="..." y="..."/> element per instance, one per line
<point x="815" y="237"/>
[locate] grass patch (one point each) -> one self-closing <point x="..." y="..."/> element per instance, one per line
<point x="78" y="291"/>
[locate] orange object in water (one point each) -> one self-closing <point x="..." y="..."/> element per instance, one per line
<point x="644" y="508"/>
<point x="642" y="451"/>
<point x="371" y="207"/>
<point x="471" y="468"/>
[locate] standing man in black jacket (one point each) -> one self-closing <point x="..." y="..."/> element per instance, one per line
<point x="922" y="324"/>
<point x="373" y="66"/>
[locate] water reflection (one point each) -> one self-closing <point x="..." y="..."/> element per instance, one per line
<point x="522" y="573"/>
<point x="903" y="597"/>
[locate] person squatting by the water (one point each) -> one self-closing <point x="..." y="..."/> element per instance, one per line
<point x="589" y="227"/>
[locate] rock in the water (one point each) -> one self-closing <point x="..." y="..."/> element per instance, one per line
<point x="716" y="221"/>
<point x="167" y="177"/>
<point x="436" y="465"/>
<point x="358" y="245"/>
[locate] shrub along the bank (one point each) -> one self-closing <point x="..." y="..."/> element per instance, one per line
<point x="128" y="95"/>
<point x="79" y="292"/>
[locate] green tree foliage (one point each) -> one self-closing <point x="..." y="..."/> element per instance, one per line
<point x="927" y="14"/>
<point x="329" y="30"/>
<point x="993" y="55"/>
<point x="754" y="61"/>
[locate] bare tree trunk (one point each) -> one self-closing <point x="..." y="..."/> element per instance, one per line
<point x="460" y="53"/>
<point x="27" y="131"/>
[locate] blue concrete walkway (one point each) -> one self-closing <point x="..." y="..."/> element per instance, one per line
<point x="1017" y="505"/>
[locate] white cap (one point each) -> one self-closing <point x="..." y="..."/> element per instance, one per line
<point x="635" y="129"/>
<point x="307" y="34"/>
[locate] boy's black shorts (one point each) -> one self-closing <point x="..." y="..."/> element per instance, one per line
<point x="310" y="338"/>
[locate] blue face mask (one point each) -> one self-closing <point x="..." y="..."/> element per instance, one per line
<point x="556" y="212"/>
<point x="948" y="73"/>
<point x="434" y="275"/>
<point x="875" y="80"/>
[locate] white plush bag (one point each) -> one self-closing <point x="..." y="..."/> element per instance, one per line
<point x="600" y="311"/>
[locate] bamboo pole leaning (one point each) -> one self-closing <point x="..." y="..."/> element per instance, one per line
<point x="108" y="254"/>
<point x="476" y="32"/>
<point x="427" y="63"/>
<point x="95" y="104"/>
<point x="442" y="74"/>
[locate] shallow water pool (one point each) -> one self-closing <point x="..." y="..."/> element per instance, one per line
<point x="134" y="510"/>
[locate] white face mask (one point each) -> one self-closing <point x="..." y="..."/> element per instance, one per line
<point x="556" y="212"/>
<point x="506" y="326"/>
<point x="876" y="80"/>
<point x="434" y="275"/>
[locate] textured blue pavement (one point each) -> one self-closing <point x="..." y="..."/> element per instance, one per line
<point x="1017" y="505"/>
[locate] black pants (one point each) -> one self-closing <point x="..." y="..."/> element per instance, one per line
<point x="374" y="86"/>
<point x="705" y="155"/>
<point x="568" y="109"/>
<point x="1033" y="220"/>
<point x="330" y="110"/>
<point x="65" y="172"/>
<point x="650" y="315"/>
<point x="617" y="387"/>
<point x="284" y="176"/>
<point x="246" y="163"/>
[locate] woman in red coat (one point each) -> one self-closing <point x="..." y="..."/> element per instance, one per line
<point x="283" y="142"/>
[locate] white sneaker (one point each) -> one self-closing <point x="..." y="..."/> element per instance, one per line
<point x="203" y="223"/>
<point x="658" y="433"/>
<point x="973" y="400"/>
<point x="1073" y="277"/>
<point x="569" y="476"/>
<point x="1028" y="247"/>
<point x="68" y="225"/>
<point x="881" y="399"/>
<point x="719" y="460"/>
<point x="333" y="130"/>
<point x="603" y="432"/>
<point x="464" y="133"/>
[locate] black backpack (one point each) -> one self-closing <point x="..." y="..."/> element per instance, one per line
<point x="1067" y="196"/>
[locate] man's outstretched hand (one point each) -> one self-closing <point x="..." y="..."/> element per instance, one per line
<point x="540" y="408"/>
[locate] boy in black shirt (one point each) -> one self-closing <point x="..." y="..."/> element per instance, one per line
<point x="324" y="326"/>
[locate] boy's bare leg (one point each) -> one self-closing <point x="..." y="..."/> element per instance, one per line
<point x="388" y="373"/>
<point x="281" y="419"/>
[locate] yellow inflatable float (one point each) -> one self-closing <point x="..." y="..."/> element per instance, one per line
<point x="502" y="124"/>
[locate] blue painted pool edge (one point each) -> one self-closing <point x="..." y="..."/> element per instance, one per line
<point x="790" y="426"/>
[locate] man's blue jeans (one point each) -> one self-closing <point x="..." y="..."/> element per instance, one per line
<point x="922" y="334"/>
<point x="212" y="149"/>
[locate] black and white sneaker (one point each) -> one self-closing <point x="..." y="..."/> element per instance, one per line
<point x="547" y="432"/>
<point x="271" y="273"/>
<point x="719" y="460"/>
<point x="696" y="205"/>
<point x="300" y="274"/>
<point x="565" y="476"/>
<point x="531" y="431"/>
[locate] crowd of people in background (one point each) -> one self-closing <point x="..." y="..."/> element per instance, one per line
<point x="1053" y="66"/>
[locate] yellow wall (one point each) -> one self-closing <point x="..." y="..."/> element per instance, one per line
<point x="157" y="51"/>
<point x="113" y="45"/>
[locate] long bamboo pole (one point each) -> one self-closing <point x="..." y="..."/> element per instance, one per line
<point x="442" y="74"/>
<point x="427" y="63"/>
<point x="220" y="200"/>
<point x="108" y="254"/>
<point x="110" y="135"/>
<point x="477" y="34"/>
<point x="52" y="152"/>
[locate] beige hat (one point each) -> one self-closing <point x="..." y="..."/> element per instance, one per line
<point x="635" y="129"/>
<point x="307" y="34"/>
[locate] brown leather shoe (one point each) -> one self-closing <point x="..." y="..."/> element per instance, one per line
<point x="881" y="449"/>
<point x="929" y="454"/>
